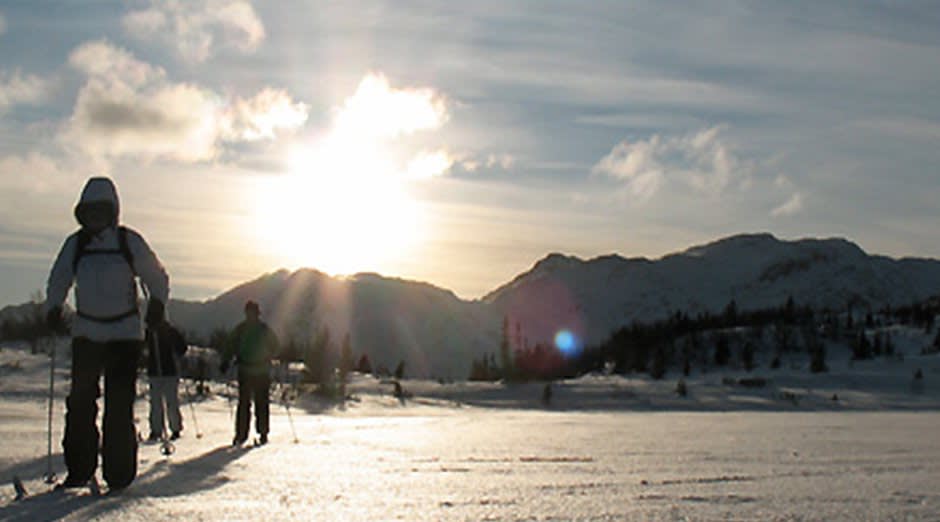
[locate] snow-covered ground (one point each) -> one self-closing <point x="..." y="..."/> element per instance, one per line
<point x="604" y="448"/>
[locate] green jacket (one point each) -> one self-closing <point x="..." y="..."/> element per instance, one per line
<point x="253" y="345"/>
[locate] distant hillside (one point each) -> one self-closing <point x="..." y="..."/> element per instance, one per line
<point x="592" y="298"/>
<point x="389" y="319"/>
<point x="438" y="334"/>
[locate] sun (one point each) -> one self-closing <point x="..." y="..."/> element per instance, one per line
<point x="344" y="204"/>
<point x="342" y="208"/>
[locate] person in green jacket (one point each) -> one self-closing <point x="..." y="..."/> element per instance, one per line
<point x="253" y="344"/>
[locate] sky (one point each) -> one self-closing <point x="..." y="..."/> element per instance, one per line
<point x="458" y="143"/>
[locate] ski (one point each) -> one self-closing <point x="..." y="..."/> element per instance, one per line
<point x="92" y="488"/>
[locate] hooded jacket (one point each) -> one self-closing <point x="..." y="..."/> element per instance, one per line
<point x="105" y="285"/>
<point x="172" y="347"/>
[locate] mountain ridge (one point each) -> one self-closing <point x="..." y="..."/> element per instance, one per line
<point x="439" y="334"/>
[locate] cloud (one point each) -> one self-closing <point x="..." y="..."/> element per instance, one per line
<point x="17" y="88"/>
<point x="30" y="172"/>
<point x="472" y="163"/>
<point x="129" y="108"/>
<point x="380" y="111"/>
<point x="264" y="115"/>
<point x="792" y="206"/>
<point x="198" y="28"/>
<point x="503" y="161"/>
<point x="368" y="131"/>
<point x="428" y="165"/>
<point x="703" y="161"/>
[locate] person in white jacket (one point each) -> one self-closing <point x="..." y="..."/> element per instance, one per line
<point x="104" y="260"/>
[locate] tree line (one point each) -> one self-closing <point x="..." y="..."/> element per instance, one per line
<point x="706" y="341"/>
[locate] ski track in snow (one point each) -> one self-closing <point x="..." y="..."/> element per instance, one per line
<point x="430" y="460"/>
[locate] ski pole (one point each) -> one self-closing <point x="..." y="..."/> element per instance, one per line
<point x="192" y="411"/>
<point x="49" y="477"/>
<point x="290" y="418"/>
<point x="231" y="394"/>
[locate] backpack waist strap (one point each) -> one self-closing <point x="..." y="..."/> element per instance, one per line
<point x="108" y="319"/>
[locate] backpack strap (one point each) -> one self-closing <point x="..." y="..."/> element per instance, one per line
<point x="81" y="238"/>
<point x="81" y="249"/>
<point x="108" y="319"/>
<point x="123" y="248"/>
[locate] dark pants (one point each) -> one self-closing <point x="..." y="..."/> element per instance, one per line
<point x="117" y="360"/>
<point x="252" y="387"/>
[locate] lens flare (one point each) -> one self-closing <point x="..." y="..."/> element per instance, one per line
<point x="567" y="343"/>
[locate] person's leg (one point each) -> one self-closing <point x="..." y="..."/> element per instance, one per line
<point x="119" y="446"/>
<point x="243" y="413"/>
<point x="80" y="443"/>
<point x="157" y="392"/>
<point x="173" y="417"/>
<point x="261" y="387"/>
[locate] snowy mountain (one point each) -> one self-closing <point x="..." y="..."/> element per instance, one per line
<point x="438" y="334"/>
<point x="391" y="320"/>
<point x="591" y="298"/>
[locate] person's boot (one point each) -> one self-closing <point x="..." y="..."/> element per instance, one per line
<point x="154" y="437"/>
<point x="263" y="439"/>
<point x="175" y="435"/>
<point x="70" y="483"/>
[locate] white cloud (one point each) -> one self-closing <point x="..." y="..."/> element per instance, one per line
<point x="145" y="22"/>
<point x="262" y="116"/>
<point x="792" y="206"/>
<point x="198" y="28"/>
<point x="378" y="110"/>
<point x="31" y="171"/>
<point x="366" y="136"/>
<point x="129" y="108"/>
<point x="17" y="88"/>
<point x="503" y="161"/>
<point x="703" y="161"/>
<point x="428" y="165"/>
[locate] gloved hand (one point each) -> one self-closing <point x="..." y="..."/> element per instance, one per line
<point x="224" y="367"/>
<point x="54" y="319"/>
<point x="154" y="315"/>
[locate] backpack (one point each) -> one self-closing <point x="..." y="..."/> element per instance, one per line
<point x="123" y="248"/>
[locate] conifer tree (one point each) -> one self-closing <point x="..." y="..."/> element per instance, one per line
<point x="658" y="365"/>
<point x="505" y="352"/>
<point x="346" y="358"/>
<point x="862" y="348"/>
<point x="722" y="350"/>
<point x="364" y="366"/>
<point x="818" y="358"/>
<point x="315" y="356"/>
<point x="747" y="356"/>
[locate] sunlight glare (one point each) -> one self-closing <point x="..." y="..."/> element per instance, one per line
<point x="339" y="210"/>
<point x="344" y="207"/>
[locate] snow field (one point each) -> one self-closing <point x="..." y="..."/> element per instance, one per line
<point x="601" y="451"/>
